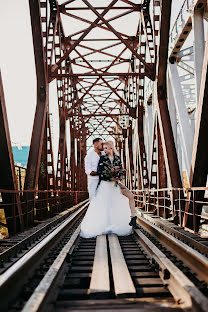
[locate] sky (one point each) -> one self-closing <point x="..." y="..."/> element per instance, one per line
<point x="18" y="71"/>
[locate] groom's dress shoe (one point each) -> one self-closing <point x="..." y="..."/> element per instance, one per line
<point x="133" y="223"/>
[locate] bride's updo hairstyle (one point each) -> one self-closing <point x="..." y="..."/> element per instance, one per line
<point x="111" y="145"/>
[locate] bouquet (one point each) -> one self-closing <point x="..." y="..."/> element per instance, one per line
<point x="113" y="173"/>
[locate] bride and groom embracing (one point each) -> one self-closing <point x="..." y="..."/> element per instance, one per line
<point x="111" y="203"/>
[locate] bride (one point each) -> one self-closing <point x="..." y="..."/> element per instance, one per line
<point x="113" y="204"/>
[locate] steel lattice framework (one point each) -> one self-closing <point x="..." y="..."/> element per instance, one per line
<point x="121" y="72"/>
<point x="99" y="68"/>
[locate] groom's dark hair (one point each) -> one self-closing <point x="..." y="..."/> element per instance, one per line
<point x="96" y="140"/>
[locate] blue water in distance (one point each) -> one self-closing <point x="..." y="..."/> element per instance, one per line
<point x="20" y="155"/>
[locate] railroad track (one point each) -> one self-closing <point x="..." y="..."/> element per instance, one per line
<point x="193" y="240"/>
<point x="188" y="254"/>
<point x="12" y="249"/>
<point x="29" y="269"/>
<point x="106" y="273"/>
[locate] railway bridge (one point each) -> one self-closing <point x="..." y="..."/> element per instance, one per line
<point x="131" y="71"/>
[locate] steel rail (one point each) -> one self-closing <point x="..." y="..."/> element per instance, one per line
<point x="175" y="231"/>
<point x="182" y="289"/>
<point x="197" y="262"/>
<point x="45" y="292"/>
<point x="40" y="294"/>
<point x="19" y="246"/>
<point x="17" y="273"/>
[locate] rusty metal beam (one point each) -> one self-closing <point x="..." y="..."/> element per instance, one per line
<point x="101" y="51"/>
<point x="98" y="25"/>
<point x="98" y="115"/>
<point x="55" y="68"/>
<point x="148" y="67"/>
<point x="8" y="179"/>
<point x="161" y="176"/>
<point x="138" y="8"/>
<point x="31" y="179"/>
<point x="7" y="176"/>
<point x="91" y="74"/>
<point x="106" y="68"/>
<point x="50" y="159"/>
<point x="79" y="101"/>
<point x="62" y="153"/>
<point x="169" y="148"/>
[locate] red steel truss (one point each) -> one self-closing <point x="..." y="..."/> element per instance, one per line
<point x="101" y="55"/>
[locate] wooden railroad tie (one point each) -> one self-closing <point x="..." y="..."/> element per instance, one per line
<point x="100" y="281"/>
<point x="123" y="283"/>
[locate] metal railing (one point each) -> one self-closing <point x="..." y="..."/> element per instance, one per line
<point x="182" y="204"/>
<point x="34" y="206"/>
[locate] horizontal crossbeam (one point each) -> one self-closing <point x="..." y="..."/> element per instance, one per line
<point x="69" y="75"/>
<point x="97" y="115"/>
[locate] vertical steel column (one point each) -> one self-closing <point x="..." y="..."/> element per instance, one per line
<point x="51" y="181"/>
<point x="162" y="177"/>
<point x="41" y="206"/>
<point x="8" y="180"/>
<point x="50" y="160"/>
<point x="154" y="155"/>
<point x="166" y="131"/>
<point x="144" y="177"/>
<point x="61" y="164"/>
<point x="36" y="144"/>
<point x="130" y="151"/>
<point x="43" y="180"/>
<point x="72" y="158"/>
<point x="79" y="159"/>
<point x="83" y="149"/>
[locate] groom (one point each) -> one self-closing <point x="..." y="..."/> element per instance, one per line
<point x="91" y="163"/>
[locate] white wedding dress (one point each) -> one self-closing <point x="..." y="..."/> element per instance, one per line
<point x="107" y="213"/>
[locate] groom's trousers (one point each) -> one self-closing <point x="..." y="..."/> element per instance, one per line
<point x="92" y="186"/>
